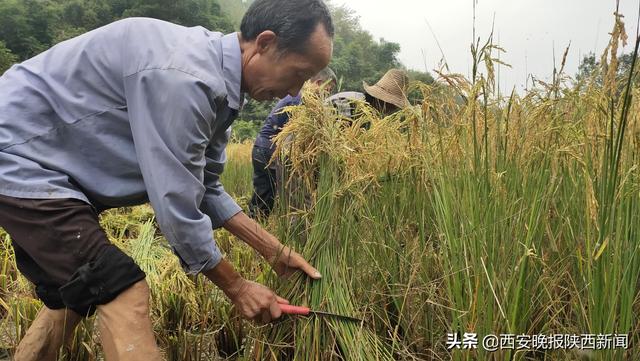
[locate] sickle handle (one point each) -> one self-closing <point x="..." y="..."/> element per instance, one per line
<point x="294" y="310"/>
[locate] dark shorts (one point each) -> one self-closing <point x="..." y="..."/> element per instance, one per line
<point x="61" y="248"/>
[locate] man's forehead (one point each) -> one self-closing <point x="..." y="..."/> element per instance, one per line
<point x="320" y="43"/>
<point x="317" y="55"/>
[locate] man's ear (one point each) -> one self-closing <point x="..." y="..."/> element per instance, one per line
<point x="266" y="41"/>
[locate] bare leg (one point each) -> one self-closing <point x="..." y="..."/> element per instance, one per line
<point x="125" y="326"/>
<point x="49" y="331"/>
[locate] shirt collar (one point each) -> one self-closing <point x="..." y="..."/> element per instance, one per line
<point x="232" y="69"/>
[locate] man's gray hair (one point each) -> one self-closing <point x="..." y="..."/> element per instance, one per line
<point x="292" y="21"/>
<point x="324" y="75"/>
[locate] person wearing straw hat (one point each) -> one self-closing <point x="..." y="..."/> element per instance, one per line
<point x="387" y="96"/>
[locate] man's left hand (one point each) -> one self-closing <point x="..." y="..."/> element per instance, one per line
<point x="287" y="261"/>
<point x="283" y="259"/>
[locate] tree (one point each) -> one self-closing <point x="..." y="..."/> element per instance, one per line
<point x="29" y="27"/>
<point x="590" y="67"/>
<point x="88" y="14"/>
<point x="206" y="13"/>
<point x="415" y="95"/>
<point x="19" y="31"/>
<point x="244" y="130"/>
<point x="235" y="9"/>
<point x="357" y="57"/>
<point x="256" y="111"/>
<point x="7" y="58"/>
<point x="420" y="76"/>
<point x="587" y="67"/>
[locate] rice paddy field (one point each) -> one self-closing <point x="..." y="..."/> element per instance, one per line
<point x="469" y="212"/>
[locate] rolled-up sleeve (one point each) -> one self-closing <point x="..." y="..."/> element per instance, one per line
<point x="171" y="113"/>
<point x="217" y="203"/>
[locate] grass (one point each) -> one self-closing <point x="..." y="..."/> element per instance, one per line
<point x="469" y="212"/>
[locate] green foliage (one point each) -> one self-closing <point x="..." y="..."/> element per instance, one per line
<point x="6" y="58"/>
<point x="206" y="13"/>
<point x="29" y="27"/>
<point x="244" y="130"/>
<point x="20" y="30"/>
<point x="420" y="76"/>
<point x="415" y="95"/>
<point x="357" y="56"/>
<point x="76" y="17"/>
<point x="590" y="67"/>
<point x="256" y="111"/>
<point x="235" y="9"/>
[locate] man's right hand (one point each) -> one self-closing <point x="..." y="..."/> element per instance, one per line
<point x="255" y="301"/>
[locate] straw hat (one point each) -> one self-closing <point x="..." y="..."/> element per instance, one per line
<point x="391" y="88"/>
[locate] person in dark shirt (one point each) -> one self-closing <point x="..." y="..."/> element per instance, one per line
<point x="264" y="174"/>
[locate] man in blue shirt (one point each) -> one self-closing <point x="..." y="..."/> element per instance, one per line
<point x="136" y="111"/>
<point x="264" y="172"/>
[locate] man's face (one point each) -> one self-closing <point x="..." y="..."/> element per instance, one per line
<point x="268" y="74"/>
